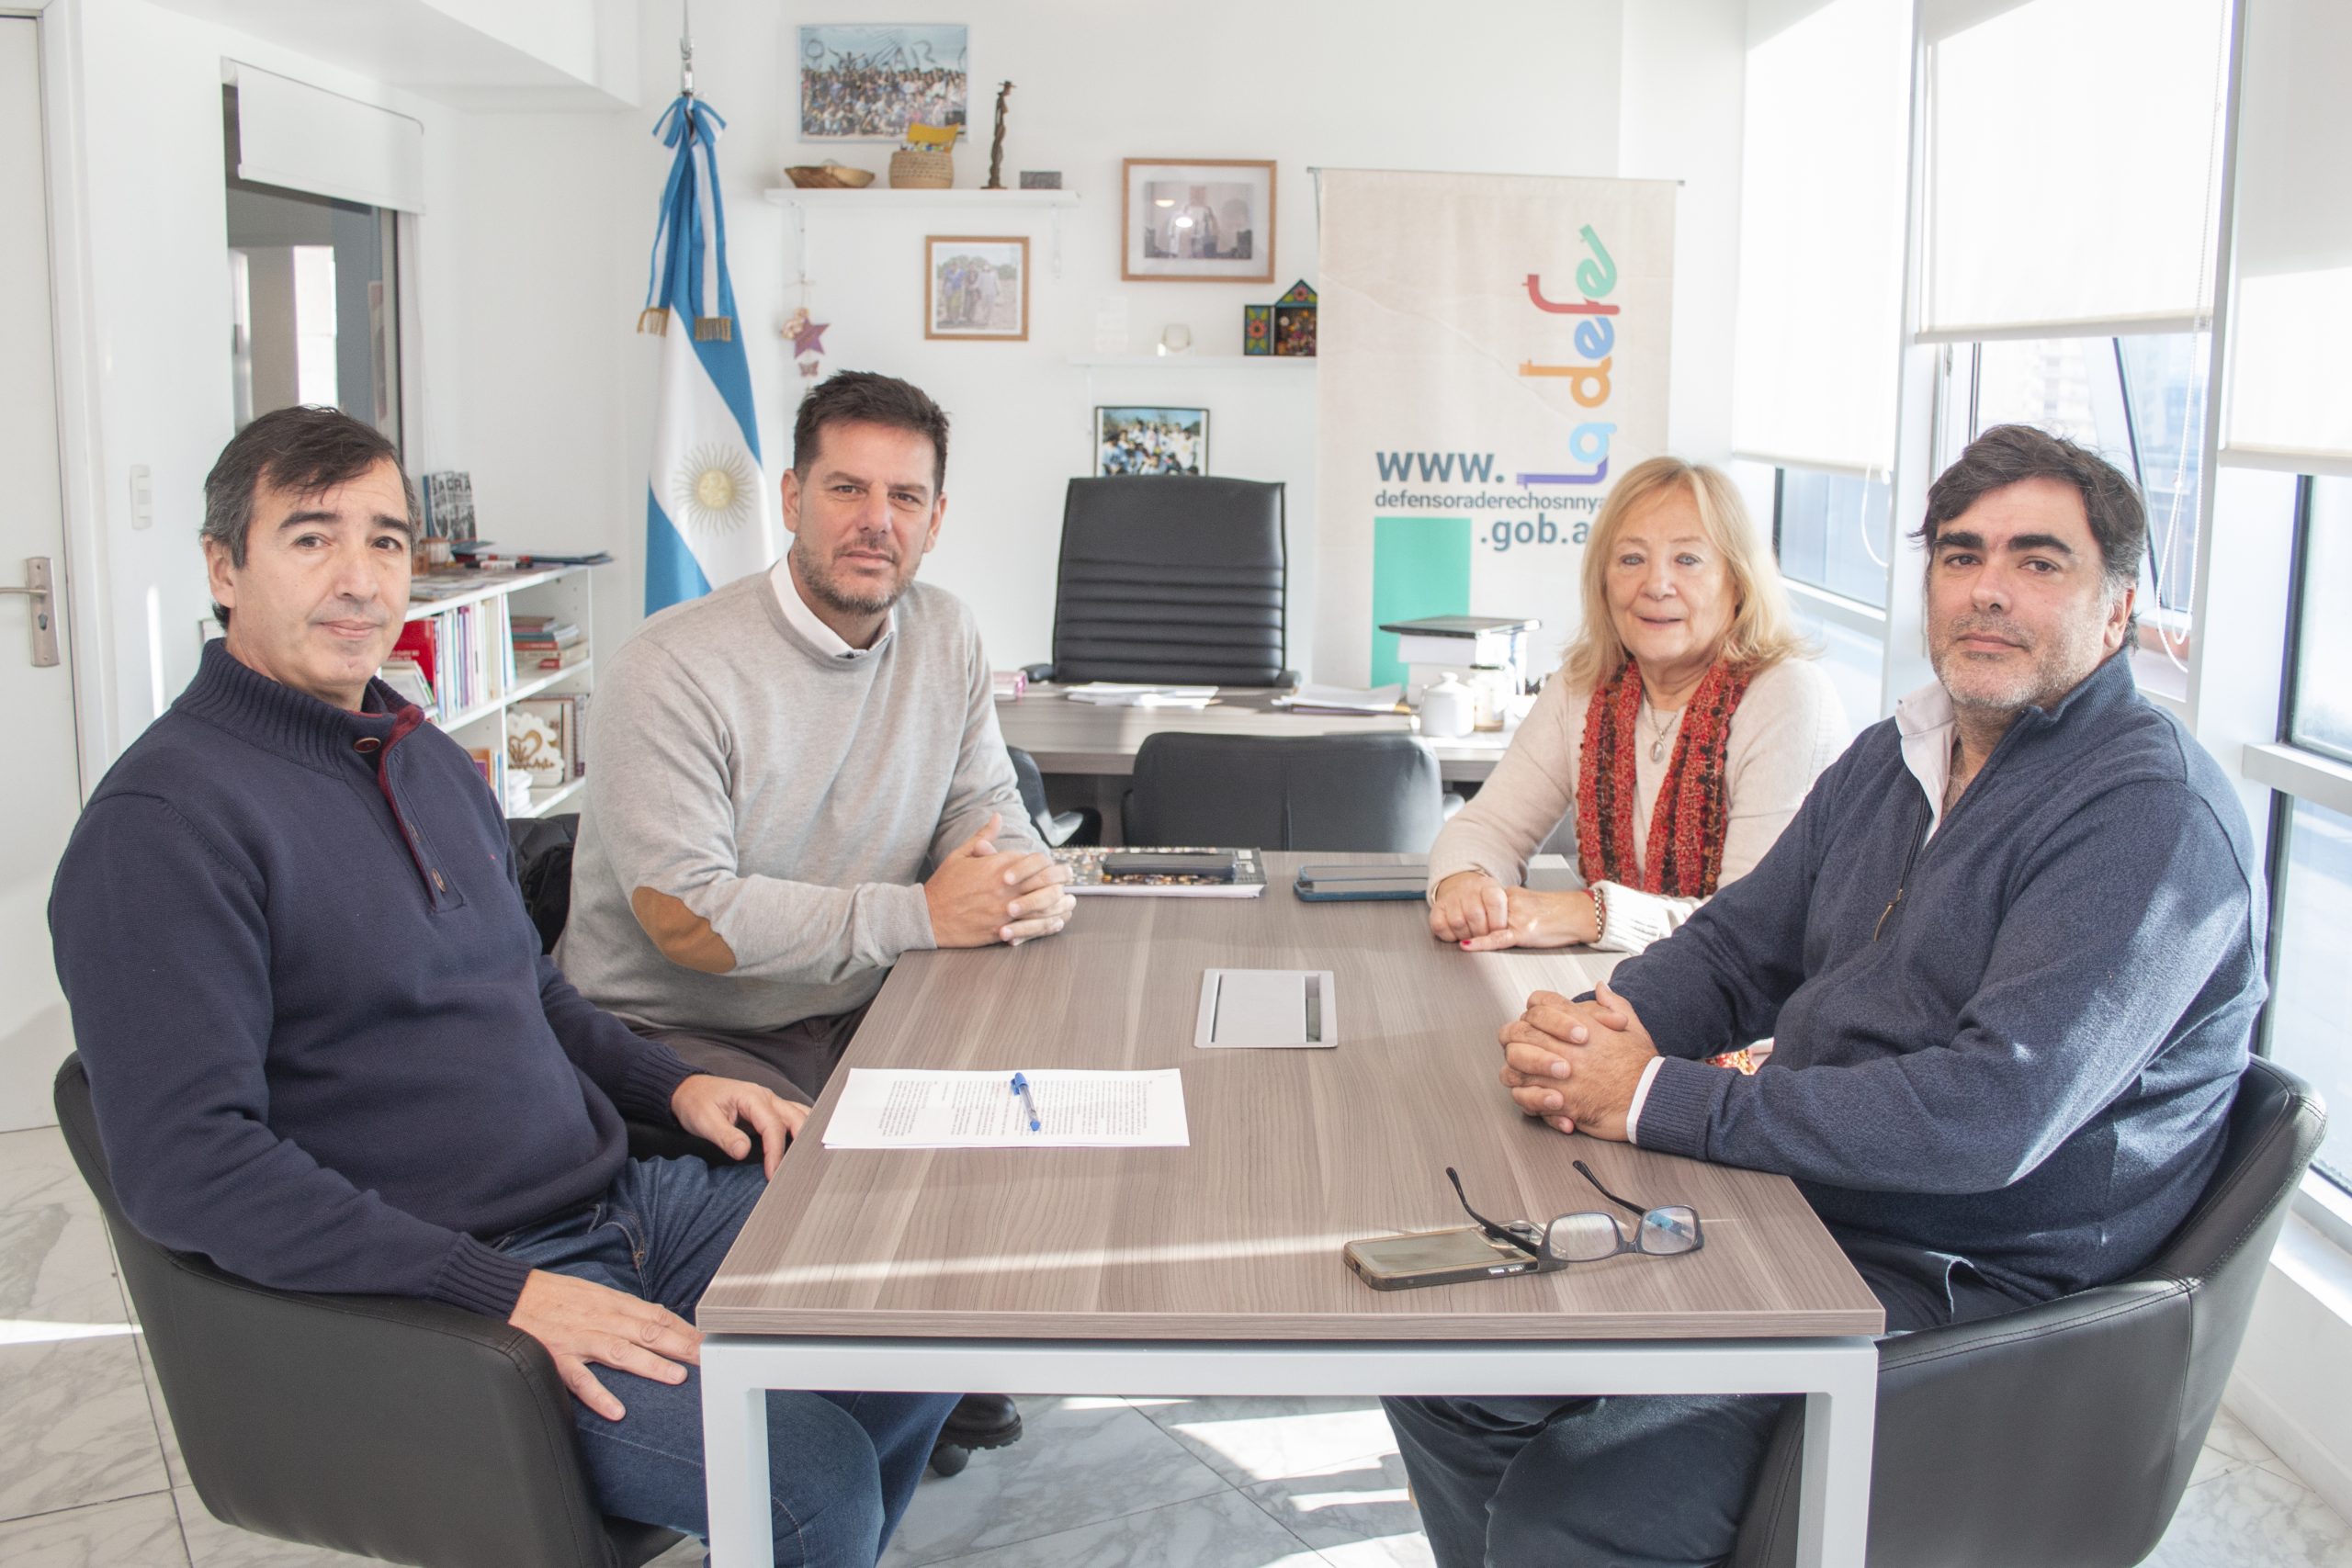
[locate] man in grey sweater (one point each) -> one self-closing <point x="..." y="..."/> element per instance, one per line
<point x="799" y="777"/>
<point x="2010" y="955"/>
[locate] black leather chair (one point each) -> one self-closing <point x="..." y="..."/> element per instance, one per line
<point x="1056" y="829"/>
<point x="2064" y="1435"/>
<point x="382" y="1426"/>
<point x="1172" y="579"/>
<point x="1370" y="793"/>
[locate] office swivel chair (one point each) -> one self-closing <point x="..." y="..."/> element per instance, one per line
<point x="1173" y="580"/>
<point x="2062" y="1435"/>
<point x="381" y="1426"/>
<point x="1335" y="793"/>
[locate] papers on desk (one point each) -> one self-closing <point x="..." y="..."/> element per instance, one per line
<point x="1117" y="694"/>
<point x="1344" y="699"/>
<point x="894" y="1108"/>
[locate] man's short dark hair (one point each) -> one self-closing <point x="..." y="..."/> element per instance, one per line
<point x="305" y="449"/>
<point x="862" y="396"/>
<point x="2012" y="453"/>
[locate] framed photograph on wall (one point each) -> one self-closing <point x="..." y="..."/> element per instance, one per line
<point x="1132" y="440"/>
<point x="976" y="287"/>
<point x="1208" y="220"/>
<point x="864" y="82"/>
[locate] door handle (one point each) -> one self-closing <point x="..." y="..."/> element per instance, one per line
<point x="36" y="589"/>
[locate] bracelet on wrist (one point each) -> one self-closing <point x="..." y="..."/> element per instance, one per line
<point x="1600" y="912"/>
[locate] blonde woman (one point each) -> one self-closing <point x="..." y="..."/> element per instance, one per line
<point x="1682" y="731"/>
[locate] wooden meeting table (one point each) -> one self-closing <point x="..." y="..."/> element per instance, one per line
<point x="1215" y="1269"/>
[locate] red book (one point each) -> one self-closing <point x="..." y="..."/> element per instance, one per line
<point x="416" y="641"/>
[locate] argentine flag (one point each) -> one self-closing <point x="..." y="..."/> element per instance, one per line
<point x="709" y="517"/>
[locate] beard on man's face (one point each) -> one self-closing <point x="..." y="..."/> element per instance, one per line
<point x="820" y="579"/>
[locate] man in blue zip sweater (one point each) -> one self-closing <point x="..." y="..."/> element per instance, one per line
<point x="2010" y="955"/>
<point x="325" y="1051"/>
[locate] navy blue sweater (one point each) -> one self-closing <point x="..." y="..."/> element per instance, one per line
<point x="2029" y="1066"/>
<point x="324" y="1046"/>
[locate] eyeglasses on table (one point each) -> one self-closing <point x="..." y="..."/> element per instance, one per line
<point x="1592" y="1235"/>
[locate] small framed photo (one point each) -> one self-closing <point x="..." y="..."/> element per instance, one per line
<point x="1151" y="441"/>
<point x="976" y="287"/>
<point x="1209" y="220"/>
<point x="866" y="82"/>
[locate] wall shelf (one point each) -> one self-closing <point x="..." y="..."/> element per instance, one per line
<point x="879" y="197"/>
<point x="798" y="203"/>
<point x="1187" y="361"/>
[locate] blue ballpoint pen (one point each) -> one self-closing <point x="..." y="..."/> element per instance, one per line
<point x="1028" y="1102"/>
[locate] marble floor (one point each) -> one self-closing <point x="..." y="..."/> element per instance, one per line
<point x="90" y="1476"/>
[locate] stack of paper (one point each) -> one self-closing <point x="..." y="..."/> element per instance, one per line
<point x="894" y="1108"/>
<point x="1344" y="699"/>
<point x="1116" y="694"/>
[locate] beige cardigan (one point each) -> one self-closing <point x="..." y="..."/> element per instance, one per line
<point x="1786" y="728"/>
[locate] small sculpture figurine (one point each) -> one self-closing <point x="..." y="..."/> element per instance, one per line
<point x="996" y="148"/>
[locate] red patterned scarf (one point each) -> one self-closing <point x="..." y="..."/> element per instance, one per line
<point x="1685" y="858"/>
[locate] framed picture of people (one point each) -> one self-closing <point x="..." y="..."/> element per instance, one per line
<point x="1130" y="440"/>
<point x="976" y="287"/>
<point x="864" y="82"/>
<point x="1205" y="221"/>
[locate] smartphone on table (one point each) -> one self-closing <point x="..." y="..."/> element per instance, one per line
<point x="1434" y="1257"/>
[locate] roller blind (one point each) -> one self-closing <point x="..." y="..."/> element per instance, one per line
<point x="1818" y="333"/>
<point x="2289" y="397"/>
<point x="298" y="137"/>
<point x="2073" y="168"/>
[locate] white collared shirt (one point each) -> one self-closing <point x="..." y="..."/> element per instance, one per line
<point x="1926" y="721"/>
<point x="819" y="635"/>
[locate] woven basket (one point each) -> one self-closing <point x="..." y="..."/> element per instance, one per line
<point x="922" y="171"/>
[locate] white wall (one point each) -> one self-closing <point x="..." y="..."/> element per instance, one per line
<point x="528" y="264"/>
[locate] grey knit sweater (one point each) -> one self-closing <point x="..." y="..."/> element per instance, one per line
<point x="770" y="812"/>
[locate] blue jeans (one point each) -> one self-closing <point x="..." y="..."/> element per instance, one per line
<point x="842" y="1466"/>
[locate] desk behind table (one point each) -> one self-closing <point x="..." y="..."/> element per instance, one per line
<point x="1087" y="752"/>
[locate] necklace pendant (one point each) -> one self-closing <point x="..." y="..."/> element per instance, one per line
<point x="1658" y="749"/>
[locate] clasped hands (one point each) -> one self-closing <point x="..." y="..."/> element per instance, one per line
<point x="1481" y="914"/>
<point x="1577" y="1064"/>
<point x="980" y="894"/>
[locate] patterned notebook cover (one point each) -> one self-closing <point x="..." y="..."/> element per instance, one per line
<point x="1086" y="875"/>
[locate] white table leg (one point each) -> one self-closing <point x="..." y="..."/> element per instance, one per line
<point x="1834" y="1486"/>
<point x="735" y="1459"/>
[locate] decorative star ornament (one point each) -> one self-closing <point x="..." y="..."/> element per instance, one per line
<point x="807" y="336"/>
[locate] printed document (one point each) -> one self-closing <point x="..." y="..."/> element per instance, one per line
<point x="895" y="1108"/>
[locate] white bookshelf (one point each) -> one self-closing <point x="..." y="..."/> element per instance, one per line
<point x="563" y="591"/>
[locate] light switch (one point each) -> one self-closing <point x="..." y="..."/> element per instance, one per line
<point x="143" y="497"/>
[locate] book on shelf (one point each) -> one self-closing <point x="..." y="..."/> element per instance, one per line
<point x="404" y="675"/>
<point x="1245" y="873"/>
<point x="560" y="659"/>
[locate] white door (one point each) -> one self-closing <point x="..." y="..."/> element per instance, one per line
<point x="39" y="783"/>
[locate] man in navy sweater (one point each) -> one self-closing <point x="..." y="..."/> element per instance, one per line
<point x="2009" y="953"/>
<point x="326" y="1052"/>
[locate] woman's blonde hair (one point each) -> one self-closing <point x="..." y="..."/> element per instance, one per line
<point x="1763" y="628"/>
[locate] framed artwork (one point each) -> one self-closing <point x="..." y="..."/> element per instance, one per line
<point x="864" y="82"/>
<point x="976" y="287"/>
<point x="1209" y="220"/>
<point x="1129" y="440"/>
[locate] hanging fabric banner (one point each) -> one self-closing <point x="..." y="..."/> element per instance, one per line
<point x="709" y="515"/>
<point x="1494" y="352"/>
